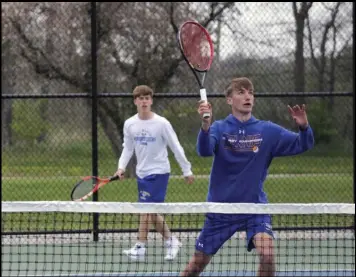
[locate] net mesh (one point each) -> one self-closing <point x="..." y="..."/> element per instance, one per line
<point x="197" y="46"/>
<point x="56" y="239"/>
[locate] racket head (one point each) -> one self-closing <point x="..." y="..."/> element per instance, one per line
<point x="196" y="45"/>
<point x="86" y="187"/>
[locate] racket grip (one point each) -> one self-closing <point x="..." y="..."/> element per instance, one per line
<point x="206" y="115"/>
<point x="113" y="178"/>
<point x="205" y="99"/>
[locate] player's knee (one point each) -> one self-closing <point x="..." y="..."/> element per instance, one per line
<point x="267" y="257"/>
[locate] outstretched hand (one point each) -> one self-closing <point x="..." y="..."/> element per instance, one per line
<point x="299" y="115"/>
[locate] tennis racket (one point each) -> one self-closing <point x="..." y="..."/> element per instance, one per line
<point x="88" y="185"/>
<point x="198" y="51"/>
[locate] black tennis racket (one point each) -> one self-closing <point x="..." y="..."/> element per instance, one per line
<point x="198" y="51"/>
<point x="88" y="185"/>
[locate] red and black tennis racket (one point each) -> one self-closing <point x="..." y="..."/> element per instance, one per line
<point x="198" y="51"/>
<point x="88" y="185"/>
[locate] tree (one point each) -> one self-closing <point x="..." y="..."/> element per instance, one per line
<point x="328" y="54"/>
<point x="7" y="87"/>
<point x="136" y="41"/>
<point x="325" y="54"/>
<point x="300" y="15"/>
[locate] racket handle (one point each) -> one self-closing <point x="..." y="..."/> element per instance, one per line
<point x="113" y="178"/>
<point x="205" y="99"/>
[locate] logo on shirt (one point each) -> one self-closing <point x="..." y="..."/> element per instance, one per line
<point x="242" y="142"/>
<point x="144" y="137"/>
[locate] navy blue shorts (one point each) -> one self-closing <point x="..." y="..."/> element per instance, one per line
<point x="152" y="188"/>
<point x="219" y="228"/>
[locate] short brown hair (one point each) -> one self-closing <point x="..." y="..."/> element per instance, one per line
<point x="142" y="90"/>
<point x="238" y="83"/>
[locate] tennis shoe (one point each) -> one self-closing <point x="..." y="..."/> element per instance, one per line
<point x="173" y="246"/>
<point x="136" y="253"/>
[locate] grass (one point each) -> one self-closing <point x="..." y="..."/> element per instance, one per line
<point x="302" y="164"/>
<point x="48" y="173"/>
<point x="302" y="189"/>
<point x="75" y="159"/>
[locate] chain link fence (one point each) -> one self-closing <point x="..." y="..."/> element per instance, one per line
<point x="53" y="65"/>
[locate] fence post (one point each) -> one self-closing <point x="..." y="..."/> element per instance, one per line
<point x="94" y="112"/>
<point x="353" y="106"/>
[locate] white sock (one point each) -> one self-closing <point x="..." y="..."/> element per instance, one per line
<point x="141" y="244"/>
<point x="168" y="242"/>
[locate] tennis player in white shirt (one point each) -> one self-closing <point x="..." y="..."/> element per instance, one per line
<point x="148" y="135"/>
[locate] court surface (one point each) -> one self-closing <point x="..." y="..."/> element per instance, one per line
<point x="78" y="255"/>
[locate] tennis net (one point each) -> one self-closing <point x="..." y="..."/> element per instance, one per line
<point x="56" y="239"/>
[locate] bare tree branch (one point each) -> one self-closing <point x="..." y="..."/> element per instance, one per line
<point x="104" y="29"/>
<point x="164" y="79"/>
<point x="48" y="69"/>
<point x="126" y="68"/>
<point x="328" y="25"/>
<point x="299" y="69"/>
<point x="310" y="40"/>
<point x="171" y="18"/>
<point x="303" y="11"/>
<point x="321" y="66"/>
<point x="214" y="14"/>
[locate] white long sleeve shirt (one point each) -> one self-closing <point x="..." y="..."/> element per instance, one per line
<point x="149" y="140"/>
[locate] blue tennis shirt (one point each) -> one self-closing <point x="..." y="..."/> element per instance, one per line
<point x="242" y="154"/>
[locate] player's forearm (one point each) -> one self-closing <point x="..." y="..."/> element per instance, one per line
<point x="172" y="140"/>
<point x="182" y="160"/>
<point x="306" y="139"/>
<point x="125" y="158"/>
<point x="304" y="142"/>
<point x="205" y="126"/>
<point x="293" y="145"/>
<point x="204" y="144"/>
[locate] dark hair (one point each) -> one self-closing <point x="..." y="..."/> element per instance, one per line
<point x="237" y="84"/>
<point x="142" y="90"/>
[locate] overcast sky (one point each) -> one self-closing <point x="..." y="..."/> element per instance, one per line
<point x="268" y="28"/>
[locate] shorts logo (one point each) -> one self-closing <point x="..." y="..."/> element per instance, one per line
<point x="200" y="244"/>
<point x="144" y="194"/>
<point x="267" y="226"/>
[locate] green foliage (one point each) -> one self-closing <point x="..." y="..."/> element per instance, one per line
<point x="75" y="159"/>
<point x="323" y="124"/>
<point x="29" y="122"/>
<point x="182" y="113"/>
<point x="300" y="188"/>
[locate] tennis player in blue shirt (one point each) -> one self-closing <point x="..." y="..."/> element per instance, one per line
<point x="243" y="148"/>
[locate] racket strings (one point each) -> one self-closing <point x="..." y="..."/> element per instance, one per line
<point x="197" y="46"/>
<point x="84" y="188"/>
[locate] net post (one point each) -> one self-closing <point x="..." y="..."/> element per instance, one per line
<point x="94" y="111"/>
<point x="353" y="96"/>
